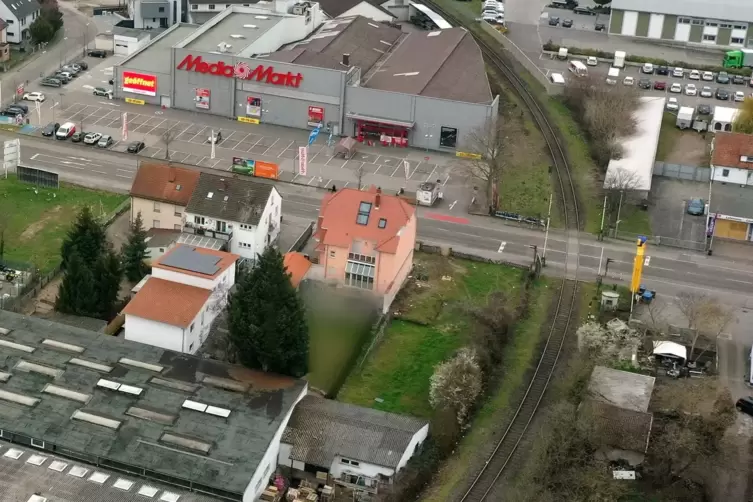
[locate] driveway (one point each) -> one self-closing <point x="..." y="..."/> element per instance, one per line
<point x="669" y="217"/>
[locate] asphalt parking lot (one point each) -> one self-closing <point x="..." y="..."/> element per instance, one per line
<point x="669" y="216"/>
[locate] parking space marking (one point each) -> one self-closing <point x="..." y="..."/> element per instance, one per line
<point x="155" y="127"/>
<point x="393" y="172"/>
<point x="286" y="149"/>
<point x="270" y="146"/>
<point x="155" y="153"/>
<point x="343" y="164"/>
<point x="217" y="162"/>
<point x="431" y="173"/>
<point x="294" y="177"/>
<point x="194" y="136"/>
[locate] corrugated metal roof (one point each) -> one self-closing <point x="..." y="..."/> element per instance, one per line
<point x="732" y="10"/>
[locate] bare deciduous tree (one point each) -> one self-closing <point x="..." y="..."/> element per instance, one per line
<point x="456" y="384"/>
<point x="618" y="186"/>
<point x="167" y="138"/>
<point x="488" y="143"/>
<point x="703" y="314"/>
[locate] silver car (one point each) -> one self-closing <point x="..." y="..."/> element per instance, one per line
<point x="706" y="92"/>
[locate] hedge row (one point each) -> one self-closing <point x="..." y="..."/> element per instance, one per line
<point x="746" y="72"/>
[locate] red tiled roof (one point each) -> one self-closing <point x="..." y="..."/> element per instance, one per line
<point x="337" y="219"/>
<point x="168" y="302"/>
<point x="730" y="147"/>
<point x="297" y="266"/>
<point x="226" y="259"/>
<point x="164" y="183"/>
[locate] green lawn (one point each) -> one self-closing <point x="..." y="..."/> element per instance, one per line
<point x="395" y="377"/>
<point x="334" y="341"/>
<point x="519" y="357"/>
<point x="667" y="136"/>
<point x="35" y="223"/>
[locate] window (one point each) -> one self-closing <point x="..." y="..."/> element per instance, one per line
<point x="710" y="38"/>
<point x="194" y="7"/>
<point x="190" y="347"/>
<point x="177" y="227"/>
<point x="697" y="22"/>
<point x="712" y="24"/>
<point x="739" y="27"/>
<point x="156" y="207"/>
<point x="725" y="173"/>
<point x="11" y="34"/>
<point x="359" y="275"/>
<point x="211" y="6"/>
<point x="363" y="213"/>
<point x="202" y="317"/>
<point x="382" y="223"/>
<point x="346" y="461"/>
<point x="735" y="40"/>
<point x="155" y="224"/>
<point x="361" y="258"/>
<point x="177" y="214"/>
<point x="448" y="137"/>
<point x="199" y="220"/>
<point x="684" y="20"/>
<point x="725" y="25"/>
<point x="332" y="254"/>
<point x="161" y="9"/>
<point x="9" y="21"/>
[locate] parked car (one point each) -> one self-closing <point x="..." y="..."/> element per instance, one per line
<point x="215" y="139"/>
<point x="647" y="68"/>
<point x="696" y="206"/>
<point x="11" y="112"/>
<point x="707" y="92"/>
<point x="66" y="131"/>
<point x="739" y="96"/>
<point x="708" y="76"/>
<point x="722" y="77"/>
<point x="50" y="129"/>
<point x="105" y="141"/>
<point x="690" y="90"/>
<point x="662" y="70"/>
<point x="34" y="96"/>
<point x="20" y="106"/>
<point x="66" y="76"/>
<point x="72" y="69"/>
<point x="554" y="21"/>
<point x="628" y="81"/>
<point x="738" y="80"/>
<point x="567" y="23"/>
<point x="82" y="64"/>
<point x="722" y="94"/>
<point x="673" y="104"/>
<point x="694" y="75"/>
<point x="92" y="138"/>
<point x="678" y="72"/>
<point x="51" y="82"/>
<point x="644" y="83"/>
<point x="600" y="26"/>
<point x="97" y="53"/>
<point x="660" y="85"/>
<point x="703" y="110"/>
<point x="676" y="88"/>
<point x="136" y="147"/>
<point x="586" y="11"/>
<point x="745" y="405"/>
<point x="101" y="91"/>
<point x="78" y="136"/>
<point x="592" y="61"/>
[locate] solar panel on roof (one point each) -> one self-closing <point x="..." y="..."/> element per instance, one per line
<point x="186" y="258"/>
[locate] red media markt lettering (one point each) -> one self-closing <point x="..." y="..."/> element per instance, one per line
<point x="242" y="71"/>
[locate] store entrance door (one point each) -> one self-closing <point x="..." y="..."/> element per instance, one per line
<point x="375" y="133"/>
<point x="164" y="101"/>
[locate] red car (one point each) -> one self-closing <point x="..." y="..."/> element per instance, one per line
<point x="659" y="85"/>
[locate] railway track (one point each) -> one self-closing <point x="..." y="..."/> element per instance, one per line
<point x="484" y="483"/>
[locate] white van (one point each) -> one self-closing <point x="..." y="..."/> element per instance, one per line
<point x="66" y="130"/>
<point x="557" y="79"/>
<point x="613" y="76"/>
<point x="578" y="68"/>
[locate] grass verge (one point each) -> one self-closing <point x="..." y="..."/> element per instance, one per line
<point x="36" y="219"/>
<point x="668" y="136"/>
<point x="520" y="354"/>
<point x="433" y="322"/>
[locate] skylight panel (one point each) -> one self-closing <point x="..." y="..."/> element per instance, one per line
<point x="184" y="442"/>
<point x="128" y="389"/>
<point x="16" y="346"/>
<point x="4" y="377"/>
<point x="108" y="384"/>
<point x="153" y="416"/>
<point x="148" y="491"/>
<point x="140" y="364"/>
<point x="39" y="368"/>
<point x="96" y="419"/>
<point x="382" y="223"/>
<point x="169" y="497"/>
<point x="4" y="331"/>
<point x="123" y="484"/>
<point x="91" y="365"/>
<point x="64" y="346"/>
<point x="193" y="405"/>
<point x="66" y="393"/>
<point x="218" y="412"/>
<point x="12" y="397"/>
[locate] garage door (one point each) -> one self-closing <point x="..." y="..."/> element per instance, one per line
<point x="731" y="230"/>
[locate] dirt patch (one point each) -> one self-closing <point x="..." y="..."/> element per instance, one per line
<point x="31" y="231"/>
<point x="690" y="149"/>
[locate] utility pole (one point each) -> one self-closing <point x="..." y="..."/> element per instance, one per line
<point x="603" y="214"/>
<point x="546" y="234"/>
<point x="619" y="210"/>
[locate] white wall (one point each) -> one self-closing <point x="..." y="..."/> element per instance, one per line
<point x="272" y="214"/>
<point x="738" y="34"/>
<point x="269" y="462"/>
<point x="14" y="32"/>
<point x="655" y="25"/>
<point x="418" y="438"/>
<point x="125" y="46"/>
<point x="735" y="176"/>
<point x="364" y="469"/>
<point x="367" y="10"/>
<point x="283" y="457"/>
<point x="682" y="32"/>
<point x="399" y="8"/>
<point x="629" y="23"/>
<point x="199" y="282"/>
<point x="155" y="333"/>
<point x="712" y="31"/>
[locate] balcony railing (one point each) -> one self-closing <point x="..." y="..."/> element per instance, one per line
<point x="195" y="228"/>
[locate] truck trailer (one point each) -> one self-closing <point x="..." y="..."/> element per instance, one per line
<point x="619" y="59"/>
<point x="740" y="58"/>
<point x="685" y="117"/>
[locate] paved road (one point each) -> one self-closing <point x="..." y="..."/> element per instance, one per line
<point x="667" y="270"/>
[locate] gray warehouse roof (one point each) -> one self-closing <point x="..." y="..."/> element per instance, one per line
<point x="157" y="55"/>
<point x="732" y="10"/>
<point x="321" y="429"/>
<point x="228" y="198"/>
<point x="444" y="64"/>
<point x="239" y="29"/>
<point x="195" y="422"/>
<point x="22" y="8"/>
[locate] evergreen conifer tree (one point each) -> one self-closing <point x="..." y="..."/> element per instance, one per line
<point x="76" y="294"/>
<point x="134" y="251"/>
<point x="87" y="235"/>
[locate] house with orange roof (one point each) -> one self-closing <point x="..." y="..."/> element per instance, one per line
<point x="176" y="305"/>
<point x="365" y="240"/>
<point x="297" y="267"/>
<point x="729" y="214"/>
<point x="160" y="192"/>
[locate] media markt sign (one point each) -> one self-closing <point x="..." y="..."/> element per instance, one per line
<point x="242" y="71"/>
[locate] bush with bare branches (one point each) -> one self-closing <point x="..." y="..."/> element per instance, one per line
<point x="456" y="384"/>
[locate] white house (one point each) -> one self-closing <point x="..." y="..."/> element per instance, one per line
<point x="245" y="212"/>
<point x="732" y="158"/>
<point x="358" y="447"/>
<point x="723" y="119"/>
<point x="126" y="41"/>
<point x="155" y="13"/>
<point x="175" y="308"/>
<point x="19" y="14"/>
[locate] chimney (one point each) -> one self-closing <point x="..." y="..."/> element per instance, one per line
<point x="172" y="176"/>
<point x="224" y="185"/>
<point x="346" y="59"/>
<point x="377" y="198"/>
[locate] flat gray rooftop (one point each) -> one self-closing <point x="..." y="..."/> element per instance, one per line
<point x="57" y="479"/>
<point x="60" y="384"/>
<point x="619" y="388"/>
<point x="732" y="200"/>
<point x="157" y="55"/>
<point x="247" y="25"/>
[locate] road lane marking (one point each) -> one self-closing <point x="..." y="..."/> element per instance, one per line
<point x="501" y="246"/>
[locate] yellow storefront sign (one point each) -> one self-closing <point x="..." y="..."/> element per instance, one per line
<point x="135" y="101"/>
<point x="247" y="120"/>
<point x="466" y="155"/>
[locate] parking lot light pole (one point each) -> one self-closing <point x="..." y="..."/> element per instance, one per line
<point x="62" y="50"/>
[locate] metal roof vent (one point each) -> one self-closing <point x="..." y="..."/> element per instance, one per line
<point x="250" y="26"/>
<point x="261" y="17"/>
<point x="236" y="36"/>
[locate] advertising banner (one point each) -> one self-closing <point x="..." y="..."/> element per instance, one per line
<point x="303" y="160"/>
<point x="139" y="83"/>
<point x="253" y="107"/>
<point x="124" y="132"/>
<point x="202" y="98"/>
<point x="316" y="116"/>
<point x="20" y="90"/>
<point x="257" y="168"/>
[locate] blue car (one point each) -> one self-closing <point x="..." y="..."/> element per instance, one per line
<point x="696" y="207"/>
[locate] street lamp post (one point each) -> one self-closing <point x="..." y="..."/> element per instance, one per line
<point x="86" y="40"/>
<point x="546" y="235"/>
<point x="63" y="49"/>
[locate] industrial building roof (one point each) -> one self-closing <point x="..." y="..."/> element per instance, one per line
<point x="198" y="423"/>
<point x="735" y="10"/>
<point x="238" y="29"/>
<point x="164" y="183"/>
<point x="322" y="429"/>
<point x="157" y="55"/>
<point x="444" y="64"/>
<point x="334" y="8"/>
<point x="733" y="149"/>
<point x="364" y="40"/>
<point x="731" y="200"/>
<point x="635" y="170"/>
<point x="229" y="198"/>
<point x="25" y="471"/>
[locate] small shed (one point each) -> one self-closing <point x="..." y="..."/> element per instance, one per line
<point x="346" y="147"/>
<point x="685" y="118"/>
<point x="723" y="119"/>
